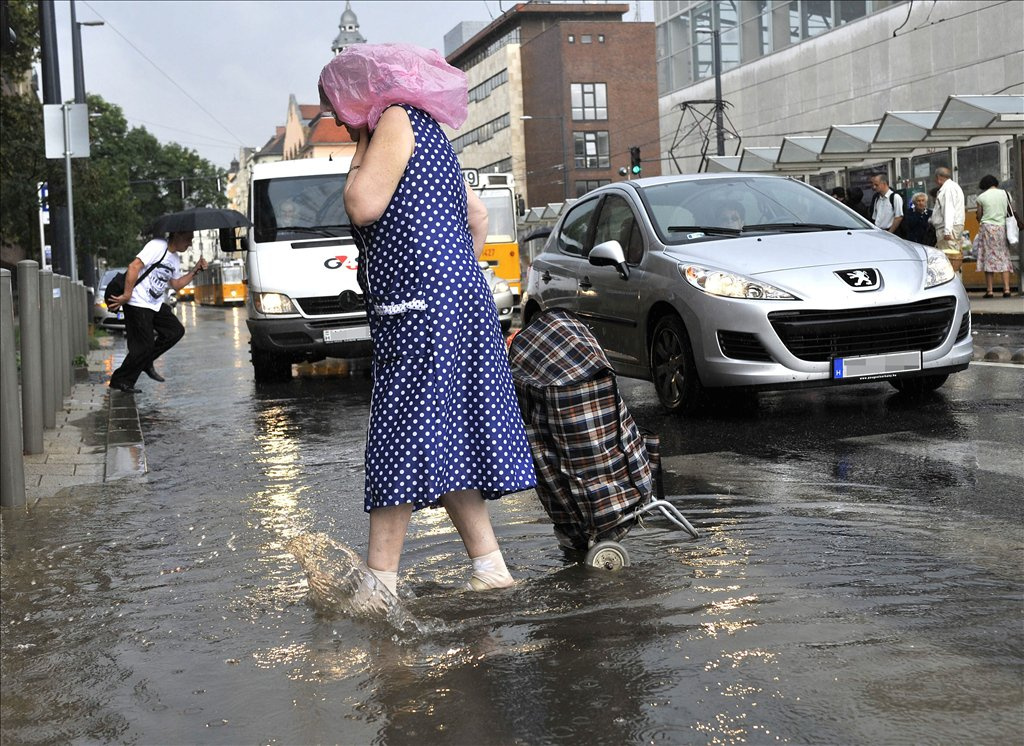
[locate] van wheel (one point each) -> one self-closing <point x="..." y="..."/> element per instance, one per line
<point x="268" y="367"/>
<point x="672" y="368"/>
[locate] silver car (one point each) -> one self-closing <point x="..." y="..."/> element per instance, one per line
<point x="101" y="315"/>
<point x="709" y="282"/>
<point x="503" y="298"/>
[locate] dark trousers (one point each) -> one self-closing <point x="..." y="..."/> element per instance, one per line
<point x="150" y="334"/>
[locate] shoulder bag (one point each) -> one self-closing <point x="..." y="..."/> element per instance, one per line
<point x="116" y="285"/>
<point x="1013" y="224"/>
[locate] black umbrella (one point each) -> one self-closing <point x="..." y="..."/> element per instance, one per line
<point x="199" y="218"/>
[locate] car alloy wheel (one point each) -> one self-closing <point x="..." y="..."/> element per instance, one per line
<point x="672" y="367"/>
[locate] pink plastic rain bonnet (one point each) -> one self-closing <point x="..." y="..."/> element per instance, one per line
<point x="365" y="79"/>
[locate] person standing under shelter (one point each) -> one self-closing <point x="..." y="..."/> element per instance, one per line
<point x="993" y="207"/>
<point x="887" y="206"/>
<point x="948" y="214"/>
<point x="150" y="325"/>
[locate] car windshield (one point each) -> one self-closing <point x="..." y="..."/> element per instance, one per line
<point x="300" y="207"/>
<point x="702" y="209"/>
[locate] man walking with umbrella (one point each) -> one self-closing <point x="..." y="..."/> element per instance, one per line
<point x="152" y="329"/>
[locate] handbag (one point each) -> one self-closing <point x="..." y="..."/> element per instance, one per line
<point x="116" y="285"/>
<point x="1013" y="224"/>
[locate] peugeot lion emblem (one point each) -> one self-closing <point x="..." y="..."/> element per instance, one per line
<point x="861" y="279"/>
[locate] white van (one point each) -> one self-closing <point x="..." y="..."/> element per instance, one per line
<point x="303" y="303"/>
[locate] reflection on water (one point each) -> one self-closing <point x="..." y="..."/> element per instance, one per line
<point x="822" y="603"/>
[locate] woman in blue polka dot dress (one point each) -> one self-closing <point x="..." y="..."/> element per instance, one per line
<point x="445" y="428"/>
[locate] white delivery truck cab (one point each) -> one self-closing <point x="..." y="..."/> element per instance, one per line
<point x="304" y="303"/>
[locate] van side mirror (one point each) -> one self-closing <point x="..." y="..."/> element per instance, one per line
<point x="243" y="243"/>
<point x="610" y="254"/>
<point x="228" y="240"/>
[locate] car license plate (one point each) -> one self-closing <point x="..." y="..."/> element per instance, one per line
<point x="881" y="366"/>
<point x="348" y="334"/>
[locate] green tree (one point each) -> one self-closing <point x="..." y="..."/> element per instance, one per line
<point x="128" y="181"/>
<point x="22" y="161"/>
<point x="107" y="219"/>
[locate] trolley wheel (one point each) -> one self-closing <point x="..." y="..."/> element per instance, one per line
<point x="607" y="555"/>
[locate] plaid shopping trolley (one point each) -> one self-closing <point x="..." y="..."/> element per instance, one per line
<point x="597" y="473"/>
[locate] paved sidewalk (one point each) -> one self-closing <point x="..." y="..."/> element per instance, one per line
<point x="97" y="437"/>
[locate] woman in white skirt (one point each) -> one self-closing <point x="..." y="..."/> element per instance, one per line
<point x="991" y="247"/>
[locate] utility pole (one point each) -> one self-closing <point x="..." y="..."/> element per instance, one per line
<point x="719" y="106"/>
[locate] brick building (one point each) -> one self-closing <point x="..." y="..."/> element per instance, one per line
<point x="558" y="94"/>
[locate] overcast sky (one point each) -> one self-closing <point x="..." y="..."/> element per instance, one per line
<point x="215" y="75"/>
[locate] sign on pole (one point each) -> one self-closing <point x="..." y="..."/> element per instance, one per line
<point x="78" y="126"/>
<point x="472" y="177"/>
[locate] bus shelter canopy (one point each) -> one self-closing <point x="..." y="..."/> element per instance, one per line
<point x="959" y="119"/>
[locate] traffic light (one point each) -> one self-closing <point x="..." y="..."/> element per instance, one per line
<point x="634" y="161"/>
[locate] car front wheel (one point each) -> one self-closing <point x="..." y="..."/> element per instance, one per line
<point x="672" y="368"/>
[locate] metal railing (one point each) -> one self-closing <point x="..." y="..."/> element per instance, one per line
<point x="53" y="315"/>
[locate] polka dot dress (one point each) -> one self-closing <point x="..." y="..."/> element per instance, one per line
<point x="443" y="413"/>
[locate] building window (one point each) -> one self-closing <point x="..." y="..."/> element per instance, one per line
<point x="586" y="185"/>
<point x="483" y="133"/>
<point x="589" y="101"/>
<point x="572" y="38"/>
<point x="591" y="149"/>
<point x="498" y="167"/>
<point x="851" y="10"/>
<point x="749" y="29"/>
<point x="586" y="39"/>
<point x="482" y="91"/>
<point x="600" y="38"/>
<point x="511" y="37"/>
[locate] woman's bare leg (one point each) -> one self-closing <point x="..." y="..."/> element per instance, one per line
<point x="989" y="276"/>
<point x="1006" y="281"/>
<point x="468" y="511"/>
<point x="387" y="535"/>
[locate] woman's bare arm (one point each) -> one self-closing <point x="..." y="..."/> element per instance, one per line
<point x="378" y="166"/>
<point x="478" y="221"/>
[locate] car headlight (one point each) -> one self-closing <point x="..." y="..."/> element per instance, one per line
<point x="731" y="285"/>
<point x="273" y="303"/>
<point x="501" y="287"/>
<point x="939" y="269"/>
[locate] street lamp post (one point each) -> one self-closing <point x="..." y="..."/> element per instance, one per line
<point x="565" y="159"/>
<point x="79" y="75"/>
<point x="76" y="53"/>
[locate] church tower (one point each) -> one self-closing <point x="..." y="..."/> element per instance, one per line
<point x="348" y="31"/>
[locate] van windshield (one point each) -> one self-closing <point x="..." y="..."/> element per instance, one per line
<point x="299" y="207"/>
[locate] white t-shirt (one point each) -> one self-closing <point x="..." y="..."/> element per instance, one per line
<point x="885" y="211"/>
<point x="150" y="292"/>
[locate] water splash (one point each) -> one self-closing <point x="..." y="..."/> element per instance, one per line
<point x="341" y="583"/>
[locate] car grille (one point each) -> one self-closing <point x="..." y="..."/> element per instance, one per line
<point x="965" y="327"/>
<point x="347" y="301"/>
<point x="743" y="346"/>
<point x="818" y="336"/>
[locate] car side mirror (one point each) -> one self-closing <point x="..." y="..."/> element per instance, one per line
<point x="610" y="254"/>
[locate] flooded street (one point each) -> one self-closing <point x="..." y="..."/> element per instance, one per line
<point x="858" y="579"/>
